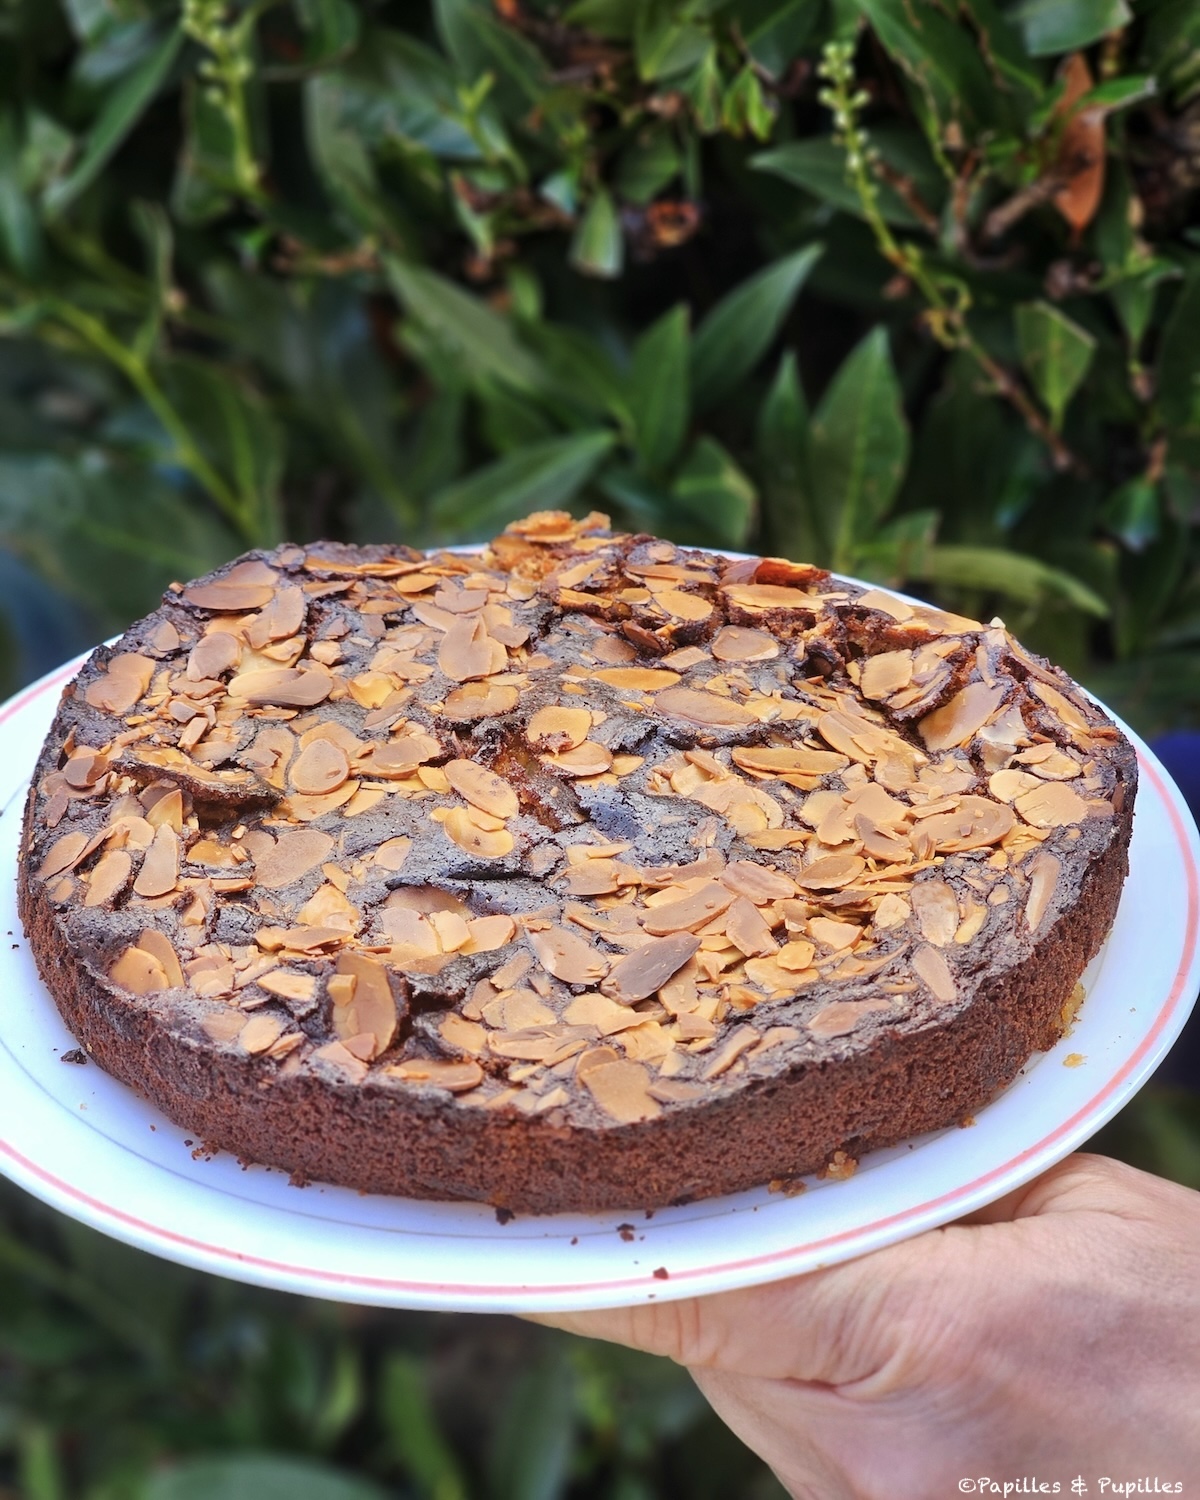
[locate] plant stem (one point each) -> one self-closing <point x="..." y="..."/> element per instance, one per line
<point x="137" y="372"/>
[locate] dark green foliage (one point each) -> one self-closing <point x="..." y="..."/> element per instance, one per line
<point x="844" y="279"/>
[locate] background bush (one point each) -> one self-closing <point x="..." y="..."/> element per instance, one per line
<point x="906" y="287"/>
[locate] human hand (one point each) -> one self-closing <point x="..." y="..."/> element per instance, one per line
<point x="1055" y="1334"/>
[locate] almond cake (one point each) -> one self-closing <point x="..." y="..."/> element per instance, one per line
<point x="585" y="871"/>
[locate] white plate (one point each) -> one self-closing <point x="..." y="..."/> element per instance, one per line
<point x="91" y="1148"/>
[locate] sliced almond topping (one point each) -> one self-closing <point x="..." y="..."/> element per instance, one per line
<point x="454" y="1077"/>
<point x="691" y="912"/>
<point x="892" y="910"/>
<point x="63" y="854"/>
<point x="283" y="687"/>
<point x="703" y="708"/>
<point x="728" y="1053"/>
<point x="568" y="957"/>
<point x="482" y="842"/>
<point x="683" y="606"/>
<point x="126" y="678"/>
<point x="737" y="643"/>
<point x="1008" y="785"/>
<point x="261" y="1031"/>
<point x="747" y="930"/>
<point x="841" y="1018"/>
<point x="392" y="853"/>
<point x="588" y="759"/>
<point x="462" y="1035"/>
<point x="223" y="1025"/>
<point x="936" y="907"/>
<point x="1050" y="763"/>
<point x="288" y="985"/>
<point x="109" y="878"/>
<point x="482" y="788"/>
<point x="887" y="603"/>
<point x="886" y="674"/>
<point x="372" y="1009"/>
<point x="480" y="700"/>
<point x="293" y="856"/>
<point x="401" y="756"/>
<point x="1053" y="804"/>
<point x="1044" y="870"/>
<point x="212" y="655"/>
<point x="319" y="768"/>
<point x="467" y="651"/>
<point x="644" y="971"/>
<point x="777" y="760"/>
<point x="972" y="922"/>
<point x="556" y="728"/>
<point x="834" y="934"/>
<point x="139" y="972"/>
<point x="281" y="619"/>
<point x="770" y="975"/>
<point x="963" y="716"/>
<point x="160" y="868"/>
<point x="762" y="596"/>
<point x="247" y="585"/>
<point x="158" y="946"/>
<point x="974" y="823"/>
<point x="597" y="1010"/>
<point x="831" y="872"/>
<point x="621" y="1089"/>
<point x="639" y="679"/>
<point x="486" y="934"/>
<point x="758" y="883"/>
<point x="795" y="955"/>
<point x="929" y="965"/>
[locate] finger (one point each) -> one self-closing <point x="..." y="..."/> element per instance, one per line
<point x="832" y="1326"/>
<point x="1077" y="1183"/>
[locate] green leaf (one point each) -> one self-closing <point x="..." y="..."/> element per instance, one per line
<point x="994" y="569"/>
<point x="774" y="31"/>
<point x="943" y="61"/>
<point x="598" y="248"/>
<point x="1056" y="352"/>
<point x="1052" y="26"/>
<point x="331" y="32"/>
<point x="261" y="1475"/>
<point x="746" y="109"/>
<point x="531" y="1454"/>
<point x="615" y="19"/>
<point x="739" y="330"/>
<point x="666" y="45"/>
<point x="818" y="164"/>
<point x="858" y="448"/>
<point x="1132" y="513"/>
<point x="118" y="115"/>
<point x="204" y="177"/>
<point x="646" y="168"/>
<point x="781" y="451"/>
<point x="1116" y="93"/>
<point x="414" y="1435"/>
<point x="659" y="390"/>
<point x="478" y="44"/>
<point x="713" y="500"/>
<point x="1178" y="369"/>
<point x="20" y="233"/>
<point x="484" y="342"/>
<point x="542" y="476"/>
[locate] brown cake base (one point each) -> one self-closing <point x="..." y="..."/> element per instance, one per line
<point x="422" y="1147"/>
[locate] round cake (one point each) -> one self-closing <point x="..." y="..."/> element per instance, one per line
<point x="584" y="871"/>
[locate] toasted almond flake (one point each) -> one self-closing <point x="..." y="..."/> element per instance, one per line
<point x="763" y="596"/>
<point x="748" y="931"/>
<point x="621" y="1089"/>
<point x="109" y="878"/>
<point x="887" y="603"/>
<point x="468" y="651"/>
<point x="1008" y="785"/>
<point x="777" y="760"/>
<point x="1044" y="870"/>
<point x="139" y="972"/>
<point x="831" y="872"/>
<point x="125" y="679"/>
<point x="454" y="1077"/>
<point x="247" y="585"/>
<point x="160" y="868"/>
<point x="401" y="756"/>
<point x="339" y="1056"/>
<point x="481" y="842"/>
<point x="282" y="687"/>
<point x="223" y="1025"/>
<point x="63" y="854"/>
<point x="280" y="620"/>
<point x="973" y="824"/>
<point x="213" y="655"/>
<point x="963" y="716"/>
<point x="462" y="1035"/>
<point x="482" y="788"/>
<point x="703" y="708"/>
<point x="557" y="729"/>
<point x="294" y="855"/>
<point x="288" y="985"/>
<point x="972" y="923"/>
<point x="328" y="907"/>
<point x="1056" y="765"/>
<point x="320" y="768"/>
<point x="261" y="1032"/>
<point x="683" y="606"/>
<point x="842" y="1017"/>
<point x="930" y="965"/>
<point x="158" y="946"/>
<point x="1053" y="804"/>
<point x="640" y="679"/>
<point x="758" y="883"/>
<point x="885" y="674"/>
<point x="776" y="980"/>
<point x="834" y="934"/>
<point x="479" y="700"/>
<point x="737" y="643"/>
<point x="936" y="907"/>
<point x="641" y="973"/>
<point x="692" y="911"/>
<point x="85" y="768"/>
<point x="372" y="1009"/>
<point x="392" y="853"/>
<point x="795" y="955"/>
<point x="565" y="955"/>
<point x="892" y="910"/>
<point x="588" y="759"/>
<point x="486" y="934"/>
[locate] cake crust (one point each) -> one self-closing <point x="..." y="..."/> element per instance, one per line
<point x="585" y="873"/>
